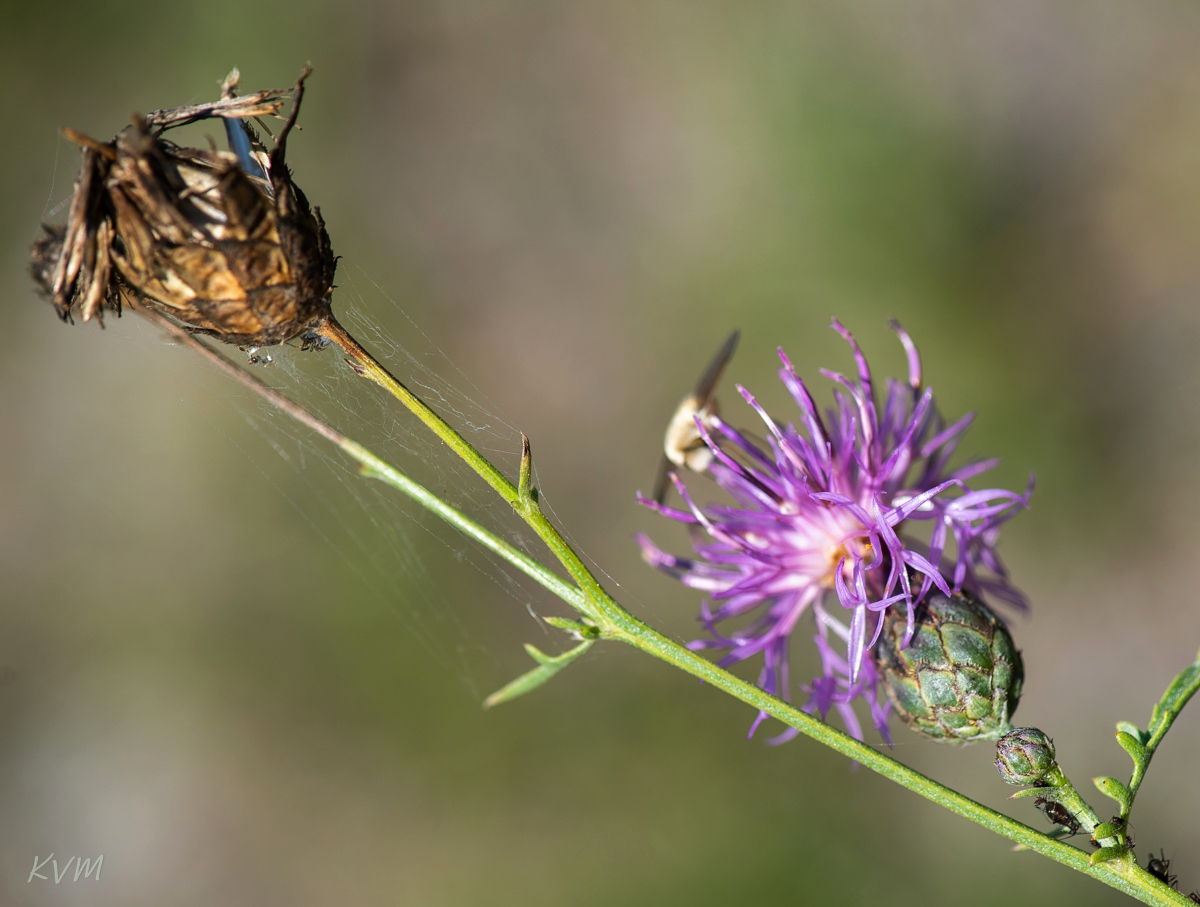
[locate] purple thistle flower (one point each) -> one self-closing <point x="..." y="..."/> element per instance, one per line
<point x="817" y="523"/>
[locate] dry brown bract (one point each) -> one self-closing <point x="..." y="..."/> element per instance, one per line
<point x="189" y="233"/>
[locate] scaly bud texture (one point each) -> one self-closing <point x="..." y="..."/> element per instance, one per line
<point x="959" y="678"/>
<point x="1024" y="756"/>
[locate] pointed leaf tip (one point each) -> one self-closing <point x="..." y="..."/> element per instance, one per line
<point x="1133" y="746"/>
<point x="525" y="483"/>
<point x="1128" y="727"/>
<point x="580" y="629"/>
<point x="548" y="666"/>
<point x="1114" y="789"/>
<point x="1046" y="793"/>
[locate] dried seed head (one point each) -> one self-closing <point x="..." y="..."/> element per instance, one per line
<point x="225" y="243"/>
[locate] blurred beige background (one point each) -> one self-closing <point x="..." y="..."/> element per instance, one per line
<point x="244" y="679"/>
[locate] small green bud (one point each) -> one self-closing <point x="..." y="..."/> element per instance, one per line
<point x="1024" y="756"/>
<point x="959" y="679"/>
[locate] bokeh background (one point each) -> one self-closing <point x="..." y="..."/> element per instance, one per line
<point x="245" y="680"/>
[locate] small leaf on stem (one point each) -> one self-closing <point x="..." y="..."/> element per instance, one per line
<point x="1182" y="689"/>
<point x="1104" y="854"/>
<point x="581" y="630"/>
<point x="1133" y="730"/>
<point x="1046" y="793"/>
<point x="548" y="666"/>
<point x="1113" y="788"/>
<point x="1133" y="746"/>
<point x="1141" y="744"/>
<point x="524" y="485"/>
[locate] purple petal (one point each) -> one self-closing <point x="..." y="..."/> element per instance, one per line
<point x="804" y="505"/>
<point x="910" y="350"/>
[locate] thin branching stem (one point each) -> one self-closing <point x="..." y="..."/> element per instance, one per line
<point x="365" y="365"/>
<point x="614" y="622"/>
<point x="372" y="466"/>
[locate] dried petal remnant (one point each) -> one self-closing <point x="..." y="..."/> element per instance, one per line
<point x="190" y="233"/>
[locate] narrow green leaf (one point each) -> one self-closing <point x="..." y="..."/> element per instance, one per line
<point x="1113" y="788"/>
<point x="548" y="666"/>
<point x="1048" y="793"/>
<point x="526" y="477"/>
<point x="1104" y="854"/>
<point x="546" y="661"/>
<point x="585" y="631"/>
<point x="1128" y="727"/>
<point x="1133" y="746"/>
<point x="1182" y="689"/>
<point x="1165" y="711"/>
<point x="1107" y="830"/>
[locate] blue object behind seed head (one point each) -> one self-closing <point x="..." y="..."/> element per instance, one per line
<point x="239" y="144"/>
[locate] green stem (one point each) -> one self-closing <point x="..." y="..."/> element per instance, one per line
<point x="616" y="623"/>
<point x="1142" y="746"/>
<point x="373" y="467"/>
<point x="1123" y="873"/>
<point x="1065" y="793"/>
<point x="367" y="366"/>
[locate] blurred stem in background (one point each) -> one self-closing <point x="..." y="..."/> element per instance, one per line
<point x="604" y="618"/>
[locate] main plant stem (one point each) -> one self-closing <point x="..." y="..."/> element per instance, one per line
<point x="525" y="504"/>
<point x="614" y="622"/>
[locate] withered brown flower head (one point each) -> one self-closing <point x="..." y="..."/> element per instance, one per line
<point x="224" y="243"/>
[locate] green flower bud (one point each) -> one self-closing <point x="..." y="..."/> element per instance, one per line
<point x="959" y="679"/>
<point x="1024" y="756"/>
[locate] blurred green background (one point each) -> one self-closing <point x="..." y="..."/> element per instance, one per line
<point x="244" y="679"/>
